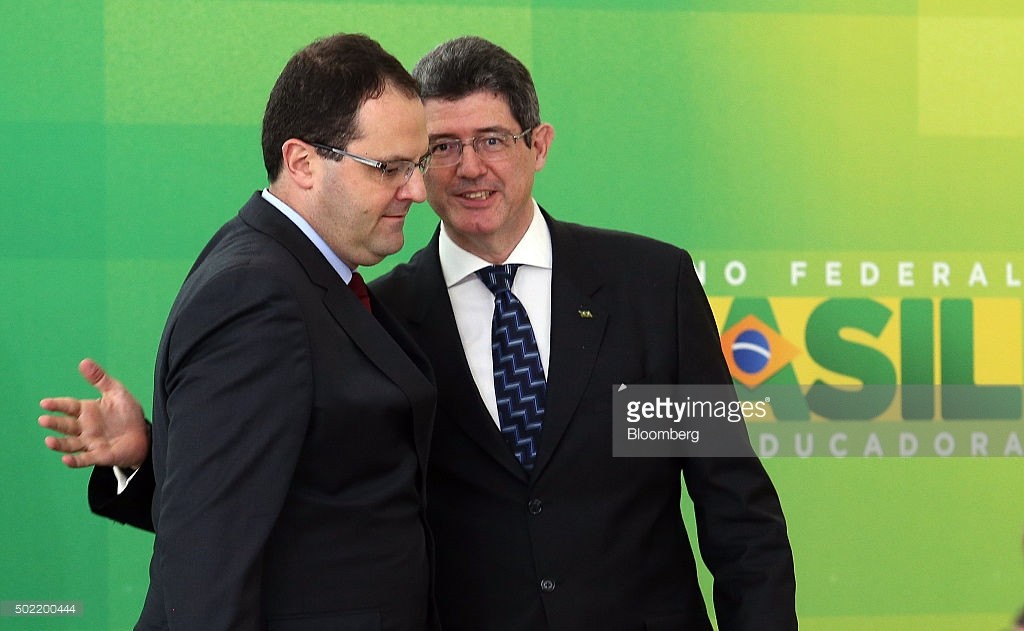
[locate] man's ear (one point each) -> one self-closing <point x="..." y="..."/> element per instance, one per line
<point x="541" y="138"/>
<point x="299" y="163"/>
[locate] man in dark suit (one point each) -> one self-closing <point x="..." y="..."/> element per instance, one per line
<point x="578" y="539"/>
<point x="290" y="424"/>
<point x="544" y="529"/>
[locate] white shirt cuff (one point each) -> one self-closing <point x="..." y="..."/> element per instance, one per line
<point x="123" y="478"/>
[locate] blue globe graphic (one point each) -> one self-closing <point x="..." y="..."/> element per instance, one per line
<point x="751" y="352"/>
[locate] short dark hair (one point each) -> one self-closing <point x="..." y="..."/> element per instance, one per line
<point x="321" y="89"/>
<point x="464" y="65"/>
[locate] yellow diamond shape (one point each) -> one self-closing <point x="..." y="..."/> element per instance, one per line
<point x="755" y="351"/>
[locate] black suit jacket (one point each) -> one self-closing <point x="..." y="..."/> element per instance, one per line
<point x="290" y="435"/>
<point x="588" y="541"/>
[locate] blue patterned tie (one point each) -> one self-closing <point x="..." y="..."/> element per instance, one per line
<point x="518" y="374"/>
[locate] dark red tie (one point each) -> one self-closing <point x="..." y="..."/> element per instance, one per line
<point x="358" y="287"/>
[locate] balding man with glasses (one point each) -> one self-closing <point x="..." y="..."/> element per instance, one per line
<point x="292" y="414"/>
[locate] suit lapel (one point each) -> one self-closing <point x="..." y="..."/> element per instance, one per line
<point x="363" y="329"/>
<point x="423" y="415"/>
<point x="380" y="347"/>
<point x="578" y="321"/>
<point x="426" y="309"/>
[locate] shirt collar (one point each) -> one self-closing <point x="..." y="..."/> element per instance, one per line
<point x="533" y="249"/>
<point x="303" y="225"/>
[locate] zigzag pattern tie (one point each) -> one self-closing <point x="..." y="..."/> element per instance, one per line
<point x="518" y="373"/>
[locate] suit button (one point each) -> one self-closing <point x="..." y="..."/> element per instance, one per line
<point x="547" y="585"/>
<point x="535" y="506"/>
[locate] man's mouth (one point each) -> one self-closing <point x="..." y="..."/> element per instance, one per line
<point x="396" y="214"/>
<point x="476" y="195"/>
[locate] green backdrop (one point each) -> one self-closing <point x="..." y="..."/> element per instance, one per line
<point x="767" y="137"/>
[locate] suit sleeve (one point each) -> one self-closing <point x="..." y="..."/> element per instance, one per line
<point x="238" y="399"/>
<point x="741" y="530"/>
<point x="134" y="506"/>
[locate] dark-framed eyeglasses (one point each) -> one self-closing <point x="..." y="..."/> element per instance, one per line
<point x="489" y="147"/>
<point x="393" y="172"/>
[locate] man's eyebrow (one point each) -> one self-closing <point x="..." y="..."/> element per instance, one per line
<point x="396" y="158"/>
<point x="482" y="130"/>
<point x="392" y="157"/>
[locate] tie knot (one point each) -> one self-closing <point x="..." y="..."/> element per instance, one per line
<point x="498" y="278"/>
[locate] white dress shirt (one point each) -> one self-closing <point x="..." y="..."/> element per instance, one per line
<point x="473" y="303"/>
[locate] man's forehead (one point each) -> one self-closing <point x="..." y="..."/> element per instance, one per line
<point x="473" y="113"/>
<point x="392" y="125"/>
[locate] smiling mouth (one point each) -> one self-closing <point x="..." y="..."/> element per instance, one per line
<point x="476" y="195"/>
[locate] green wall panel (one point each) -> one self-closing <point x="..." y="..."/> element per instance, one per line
<point x="758" y="135"/>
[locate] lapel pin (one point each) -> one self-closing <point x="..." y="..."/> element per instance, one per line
<point x="585" y="313"/>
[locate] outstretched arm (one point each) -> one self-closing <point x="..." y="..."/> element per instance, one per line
<point x="108" y="431"/>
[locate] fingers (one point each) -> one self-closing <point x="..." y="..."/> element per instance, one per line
<point x="67" y="425"/>
<point x="98" y="377"/>
<point x="72" y="447"/>
<point x="67" y="445"/>
<point x="65" y="405"/>
<point x="77" y="461"/>
<point x="74" y="417"/>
